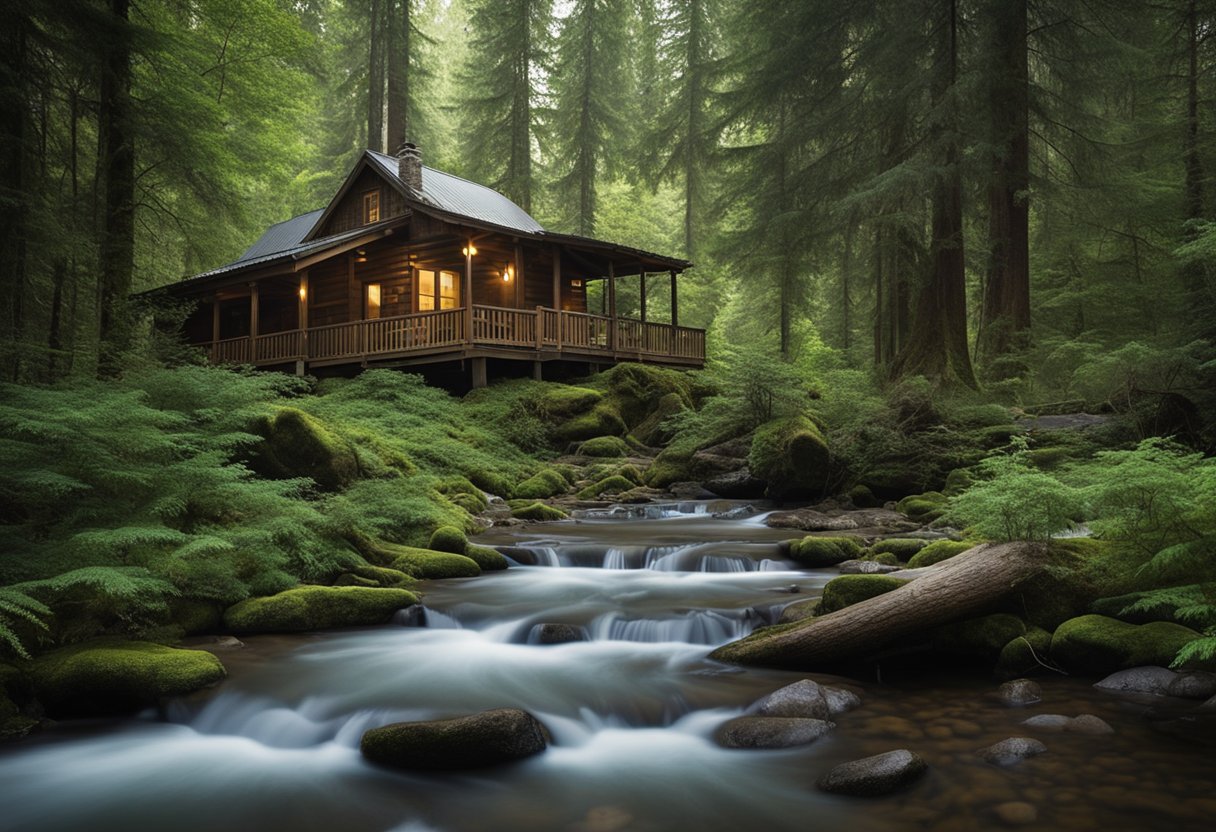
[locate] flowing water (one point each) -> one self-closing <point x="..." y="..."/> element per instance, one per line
<point x="631" y="710"/>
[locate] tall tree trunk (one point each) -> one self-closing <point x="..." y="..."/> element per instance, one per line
<point x="1195" y="277"/>
<point x="14" y="76"/>
<point x="375" y="78"/>
<point x="1005" y="318"/>
<point x="398" y="73"/>
<point x="846" y="298"/>
<point x="520" y="171"/>
<point x="117" y="168"/>
<point x="937" y="345"/>
<point x="696" y="94"/>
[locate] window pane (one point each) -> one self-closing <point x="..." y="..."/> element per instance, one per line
<point x="449" y="290"/>
<point x="373" y="300"/>
<point x="371" y="207"/>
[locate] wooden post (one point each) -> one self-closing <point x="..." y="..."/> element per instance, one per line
<point x="468" y="302"/>
<point x="557" y="278"/>
<point x="642" y="278"/>
<point x="612" y="306"/>
<point x="479" y="373"/>
<point x="520" y="297"/>
<point x="540" y="327"/>
<point x="675" y="308"/>
<point x="302" y="364"/>
<point x="537" y="372"/>
<point x="215" y="325"/>
<point x="253" y="322"/>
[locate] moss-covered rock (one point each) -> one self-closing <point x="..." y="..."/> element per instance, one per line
<point x="383" y="576"/>
<point x="636" y="390"/>
<point x="1025" y="655"/>
<point x="1050" y="599"/>
<point x="958" y="481"/>
<point x="1116" y="607"/>
<point x="601" y="420"/>
<point x="818" y="552"/>
<point x="798" y="611"/>
<point x="884" y="558"/>
<point x="490" y="560"/>
<point x="109" y="677"/>
<point x="604" y="446"/>
<point x="486" y="739"/>
<point x="297" y="444"/>
<point x="308" y="608"/>
<point x="651" y="431"/>
<point x="791" y="456"/>
<point x="538" y="511"/>
<point x="852" y="589"/>
<point x="1098" y="645"/>
<point x="938" y="551"/>
<point x="862" y="497"/>
<point x="427" y="563"/>
<point x="491" y="482"/>
<point x="559" y="402"/>
<point x="448" y="539"/>
<point x="983" y="637"/>
<point x="903" y="548"/>
<point x="923" y="508"/>
<point x="462" y="492"/>
<point x="547" y="482"/>
<point x="609" y="485"/>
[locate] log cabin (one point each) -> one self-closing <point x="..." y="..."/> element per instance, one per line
<point x="408" y="266"/>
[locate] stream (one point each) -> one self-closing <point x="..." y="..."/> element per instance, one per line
<point x="631" y="710"/>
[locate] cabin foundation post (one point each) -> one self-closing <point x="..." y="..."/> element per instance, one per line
<point x="675" y="308"/>
<point x="300" y="367"/>
<point x="537" y="371"/>
<point x="478" y="367"/>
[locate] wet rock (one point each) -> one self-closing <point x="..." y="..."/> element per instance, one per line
<point x="1048" y="722"/>
<point x="1017" y="813"/>
<point x="866" y="567"/>
<point x="840" y="700"/>
<point x="1152" y="680"/>
<point x="770" y="732"/>
<point x="485" y="739"/>
<point x="1089" y="724"/>
<point x="739" y="485"/>
<point x="1011" y="750"/>
<point x="801" y="699"/>
<point x="1019" y="692"/>
<point x="874" y="776"/>
<point x="556" y="634"/>
<point x="227" y="643"/>
<point x="736" y="513"/>
<point x="1196" y="685"/>
<point x="689" y="491"/>
<point x="809" y="520"/>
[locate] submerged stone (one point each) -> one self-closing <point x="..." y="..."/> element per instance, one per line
<point x="801" y="699"/>
<point x="1012" y="750"/>
<point x="1019" y="692"/>
<point x="770" y="732"/>
<point x="874" y="776"/>
<point x="1151" y="680"/>
<point x="468" y="742"/>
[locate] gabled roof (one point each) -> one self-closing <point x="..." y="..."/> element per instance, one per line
<point x="282" y="236"/>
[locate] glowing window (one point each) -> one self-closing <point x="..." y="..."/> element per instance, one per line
<point x="371" y="207"/>
<point x="438" y="290"/>
<point x="373" y="300"/>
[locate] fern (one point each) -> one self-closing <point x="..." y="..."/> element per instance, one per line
<point x="16" y="607"/>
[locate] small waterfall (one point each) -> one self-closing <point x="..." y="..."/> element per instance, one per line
<point x="615" y="558"/>
<point x="422" y="616"/>
<point x="707" y="627"/>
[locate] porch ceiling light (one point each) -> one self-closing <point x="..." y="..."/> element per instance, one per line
<point x="469" y="251"/>
<point x="508" y="273"/>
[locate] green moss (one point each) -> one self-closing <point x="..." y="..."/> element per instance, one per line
<point x="561" y="401"/>
<point x="1097" y="645"/>
<point x="488" y="559"/>
<point x="938" y="551"/>
<point x="798" y="611"/>
<point x="604" y="446"/>
<point x="107" y="677"/>
<point x="538" y="511"/>
<point x="383" y="576"/>
<point x="824" y="551"/>
<point x="862" y="497"/>
<point x="1115" y="606"/>
<point x="791" y="456"/>
<point x="195" y="616"/>
<point x="1053" y="597"/>
<point x="958" y="481"/>
<point x="1025" y="654"/>
<point x="885" y="558"/>
<point x="923" y="508"/>
<point x="298" y="444"/>
<point x="448" y="539"/>
<point x="984" y="637"/>
<point x="851" y="589"/>
<point x="636" y="390"/>
<point x="671" y="466"/>
<point x="418" y="562"/>
<point x="463" y="493"/>
<point x="609" y="485"/>
<point x="308" y="608"/>
<point x="651" y="430"/>
<point x="491" y="482"/>
<point x="601" y="420"/>
<point x="351" y="579"/>
<point x="904" y="548"/>
<point x="547" y="482"/>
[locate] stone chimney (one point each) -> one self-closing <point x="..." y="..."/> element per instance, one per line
<point x="409" y="165"/>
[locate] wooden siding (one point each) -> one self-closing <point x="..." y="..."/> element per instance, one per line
<point x="327" y="301"/>
<point x="348" y="213"/>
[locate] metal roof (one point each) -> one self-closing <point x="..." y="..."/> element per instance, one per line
<point x="460" y="196"/>
<point x="282" y="236"/>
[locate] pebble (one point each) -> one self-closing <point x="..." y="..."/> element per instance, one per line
<point x="1017" y="813"/>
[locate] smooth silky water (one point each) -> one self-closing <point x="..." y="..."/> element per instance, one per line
<point x="631" y="710"/>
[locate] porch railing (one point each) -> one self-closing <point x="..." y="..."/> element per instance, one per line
<point x="539" y="328"/>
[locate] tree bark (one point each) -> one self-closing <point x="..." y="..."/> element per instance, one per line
<point x="937" y="345"/>
<point x="1195" y="278"/>
<point x="398" y="73"/>
<point x="375" y="78"/>
<point x="14" y="183"/>
<point x="1005" y="318"/>
<point x="117" y="169"/>
<point x="949" y="591"/>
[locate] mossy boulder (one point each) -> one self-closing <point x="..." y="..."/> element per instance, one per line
<point x="448" y="539"/>
<point x="538" y="511"/>
<point x="884" y="558"/>
<point x="491" y="482"/>
<point x="547" y="482"/>
<point x="470" y="742"/>
<point x="938" y="551"/>
<point x="490" y="560"/>
<point x="559" y="402"/>
<point x="958" y="481"/>
<point x="601" y="420"/>
<point x="637" y="390"/>
<point x="428" y="563"/>
<point x="308" y="608"/>
<point x="798" y="611"/>
<point x="604" y="446"/>
<point x="983" y="637"/>
<point x="462" y="492"/>
<point x="1117" y="607"/>
<point x="1025" y="655"/>
<point x="111" y="677"/>
<point x="671" y="466"/>
<point x="791" y="456"/>
<point x="923" y="508"/>
<point x="818" y="552"/>
<point x="903" y="548"/>
<point x="852" y="589"/>
<point x="862" y="497"/>
<point x="609" y="485"/>
<point x="383" y="576"/>
<point x="651" y="431"/>
<point x="297" y="444"/>
<point x="1096" y="644"/>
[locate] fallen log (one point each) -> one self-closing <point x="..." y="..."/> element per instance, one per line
<point x="951" y="590"/>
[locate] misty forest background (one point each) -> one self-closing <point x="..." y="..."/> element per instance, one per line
<point x="1000" y="192"/>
